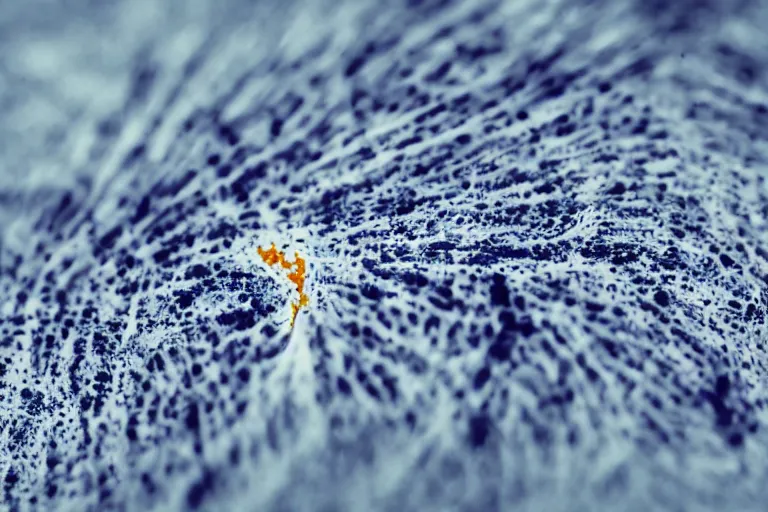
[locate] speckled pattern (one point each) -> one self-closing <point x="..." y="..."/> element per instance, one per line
<point x="536" y="237"/>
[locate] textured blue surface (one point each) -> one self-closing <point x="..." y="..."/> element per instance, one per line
<point x="537" y="245"/>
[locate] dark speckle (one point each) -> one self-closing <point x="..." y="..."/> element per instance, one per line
<point x="726" y="260"/>
<point x="499" y="291"/>
<point x="479" y="430"/>
<point x="481" y="377"/>
<point x="736" y="439"/>
<point x="661" y="298"/>
<point x="618" y="189"/>
<point x="199" y="490"/>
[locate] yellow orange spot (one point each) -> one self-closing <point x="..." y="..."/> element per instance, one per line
<point x="272" y="256"/>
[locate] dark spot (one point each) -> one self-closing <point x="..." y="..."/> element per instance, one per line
<point x="197" y="271"/>
<point x="161" y="256"/>
<point x="142" y="210"/>
<point x="464" y="139"/>
<point x="499" y="291"/>
<point x="371" y="292"/>
<point x="103" y="377"/>
<point x="722" y="386"/>
<point x="199" y="490"/>
<point x="354" y="66"/>
<point x="439" y="73"/>
<point x="277" y="127"/>
<point x="501" y="348"/>
<point x="192" y="419"/>
<point x="618" y="189"/>
<point x="661" y="298"/>
<point x="11" y="477"/>
<point x="736" y="439"/>
<point x="108" y="240"/>
<point x="595" y="307"/>
<point x="726" y="260"/>
<point x="479" y="430"/>
<point x="240" y="319"/>
<point x="481" y="377"/>
<point x="184" y="298"/>
<point x="343" y="386"/>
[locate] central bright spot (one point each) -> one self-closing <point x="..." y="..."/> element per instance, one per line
<point x="272" y="256"/>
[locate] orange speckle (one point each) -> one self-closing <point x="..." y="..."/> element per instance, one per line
<point x="272" y="256"/>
